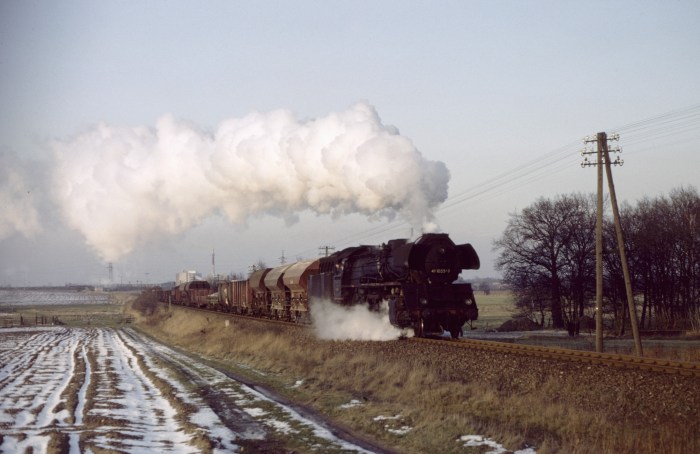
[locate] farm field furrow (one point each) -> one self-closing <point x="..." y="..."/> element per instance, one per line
<point x="80" y="390"/>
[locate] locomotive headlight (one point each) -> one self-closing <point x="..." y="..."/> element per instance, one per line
<point x="468" y="301"/>
<point x="423" y="301"/>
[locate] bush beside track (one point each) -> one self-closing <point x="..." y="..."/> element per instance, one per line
<point x="441" y="395"/>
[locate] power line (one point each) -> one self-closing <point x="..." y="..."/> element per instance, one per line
<point x="656" y="119"/>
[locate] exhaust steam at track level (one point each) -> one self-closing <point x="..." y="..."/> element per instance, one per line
<point x="335" y="322"/>
<point x="122" y="187"/>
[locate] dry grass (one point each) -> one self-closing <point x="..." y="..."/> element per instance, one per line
<point x="441" y="397"/>
<point x="494" y="309"/>
<point x="695" y="321"/>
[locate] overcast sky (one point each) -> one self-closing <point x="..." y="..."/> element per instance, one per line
<point x="148" y="134"/>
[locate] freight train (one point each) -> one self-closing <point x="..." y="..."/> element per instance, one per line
<point x="417" y="280"/>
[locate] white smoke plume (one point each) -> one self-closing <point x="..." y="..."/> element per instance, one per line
<point x="122" y="187"/>
<point x="335" y="322"/>
<point x="18" y="199"/>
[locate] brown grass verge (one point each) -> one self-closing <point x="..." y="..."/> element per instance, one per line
<point x="554" y="406"/>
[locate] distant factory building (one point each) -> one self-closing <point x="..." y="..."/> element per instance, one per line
<point x="186" y="276"/>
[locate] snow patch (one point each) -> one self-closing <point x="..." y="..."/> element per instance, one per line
<point x="473" y="441"/>
<point x="351" y="404"/>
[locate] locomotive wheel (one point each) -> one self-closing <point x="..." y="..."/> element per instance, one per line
<point x="455" y="330"/>
<point x="419" y="328"/>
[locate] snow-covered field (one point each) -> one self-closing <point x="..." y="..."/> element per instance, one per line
<point x="87" y="390"/>
<point x="21" y="297"/>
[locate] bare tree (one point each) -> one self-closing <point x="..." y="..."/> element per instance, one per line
<point x="484" y="287"/>
<point x="545" y="256"/>
<point x="666" y="242"/>
<point x="547" y="251"/>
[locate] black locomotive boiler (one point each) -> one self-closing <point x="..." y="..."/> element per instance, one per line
<point x="416" y="278"/>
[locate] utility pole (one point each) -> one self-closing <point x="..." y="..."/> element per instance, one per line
<point x="325" y="250"/>
<point x="621" y="246"/>
<point x="603" y="158"/>
<point x="600" y="138"/>
<point x="283" y="259"/>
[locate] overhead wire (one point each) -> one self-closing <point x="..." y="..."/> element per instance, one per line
<point x="656" y="119"/>
<point x="512" y="177"/>
<point x="680" y="121"/>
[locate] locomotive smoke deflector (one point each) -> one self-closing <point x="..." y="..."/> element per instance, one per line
<point x="468" y="258"/>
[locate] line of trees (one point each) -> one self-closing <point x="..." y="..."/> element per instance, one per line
<point x="547" y="257"/>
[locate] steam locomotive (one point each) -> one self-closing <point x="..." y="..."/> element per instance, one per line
<point x="417" y="279"/>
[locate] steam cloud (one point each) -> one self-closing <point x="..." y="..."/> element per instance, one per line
<point x="122" y="187"/>
<point x="17" y="199"/>
<point x="334" y="322"/>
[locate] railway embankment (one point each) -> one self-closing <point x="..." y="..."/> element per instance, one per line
<point x="425" y="397"/>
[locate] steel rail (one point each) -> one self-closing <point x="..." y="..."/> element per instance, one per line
<point x="581" y="356"/>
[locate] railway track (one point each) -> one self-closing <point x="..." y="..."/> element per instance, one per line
<point x="580" y="356"/>
<point x="562" y="354"/>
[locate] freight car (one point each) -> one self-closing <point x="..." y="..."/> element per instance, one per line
<point x="416" y="279"/>
<point x="195" y="293"/>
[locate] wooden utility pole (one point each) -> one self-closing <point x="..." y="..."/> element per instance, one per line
<point x="603" y="157"/>
<point x="599" y="248"/>
<point x="325" y="250"/>
<point x="623" y="254"/>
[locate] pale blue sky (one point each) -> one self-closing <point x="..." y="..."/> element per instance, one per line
<point x="483" y="86"/>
